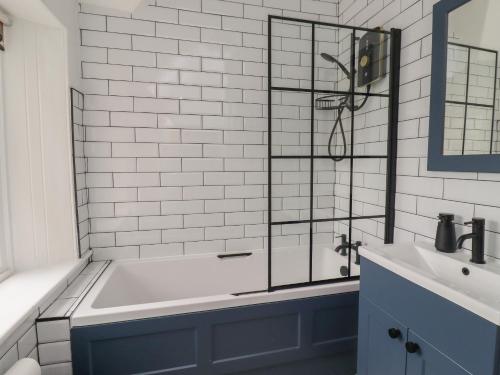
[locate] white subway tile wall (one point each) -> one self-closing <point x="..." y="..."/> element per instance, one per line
<point x="421" y="194"/>
<point x="175" y="117"/>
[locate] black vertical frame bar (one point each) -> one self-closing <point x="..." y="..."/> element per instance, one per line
<point x="311" y="156"/>
<point x="269" y="153"/>
<point x="73" y="91"/>
<point x="466" y="100"/>
<point x="352" y="80"/>
<point x="392" y="139"/>
<point x="494" y="100"/>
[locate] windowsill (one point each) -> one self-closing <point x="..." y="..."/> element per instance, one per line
<point x="22" y="293"/>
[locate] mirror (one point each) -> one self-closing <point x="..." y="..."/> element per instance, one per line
<point x="465" y="95"/>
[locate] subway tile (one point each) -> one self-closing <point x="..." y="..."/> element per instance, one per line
<point x="202" y="136"/>
<point x="199" y="19"/>
<point x="181" y="207"/>
<point x="158" y="135"/>
<point x="204" y="247"/>
<point x="181" y="150"/>
<point x="194" y="107"/>
<point x="103" y="195"/>
<point x="145" y="43"/>
<point x="203" y="192"/>
<point x="200" y="49"/>
<point x="222" y="8"/>
<point x="156" y="105"/>
<point x="137" y="209"/>
<point x="161" y="250"/>
<point x="181" y="32"/>
<point x="182" y="235"/>
<point x="223" y="178"/>
<point x="105" y="39"/>
<point x="110" y="134"/>
<point x="53" y="331"/>
<point x="108" y="103"/>
<point x="142" y="74"/>
<point x="94" y="54"/>
<point x="106" y="225"/>
<point x="136" y="179"/>
<point x="106" y="71"/>
<point x="138" y="238"/>
<point x="182" y="179"/>
<point x="203" y="220"/>
<point x="134" y="150"/>
<point x="202" y="164"/>
<point x="201" y="79"/>
<point x="159" y="14"/>
<point x="135" y="58"/>
<point x="179" y="92"/>
<point x="221" y="37"/>
<point x="225" y="232"/>
<point x="114" y="253"/>
<point x="56" y="352"/>
<point x="111" y="165"/>
<point x="130" y="26"/>
<point x="158" y="165"/>
<point x="221" y="66"/>
<point x="179" y="121"/>
<point x="160" y="222"/>
<point x="194" y="5"/>
<point x="133" y="119"/>
<point x="159" y="194"/>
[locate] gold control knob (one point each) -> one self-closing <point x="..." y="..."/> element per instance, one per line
<point x="364" y="61"/>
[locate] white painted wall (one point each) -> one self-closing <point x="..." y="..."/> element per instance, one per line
<point x="37" y="125"/>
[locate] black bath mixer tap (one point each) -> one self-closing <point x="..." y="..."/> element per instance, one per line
<point x="355" y="247"/>
<point x="342" y="248"/>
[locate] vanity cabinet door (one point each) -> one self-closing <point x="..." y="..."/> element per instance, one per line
<point x="381" y="342"/>
<point x="424" y="359"/>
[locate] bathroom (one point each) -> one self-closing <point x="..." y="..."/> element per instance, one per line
<point x="249" y="187"/>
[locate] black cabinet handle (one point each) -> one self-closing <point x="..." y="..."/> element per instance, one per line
<point x="394" y="333"/>
<point x="412" y="347"/>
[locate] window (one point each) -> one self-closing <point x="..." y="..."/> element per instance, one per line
<point x="5" y="256"/>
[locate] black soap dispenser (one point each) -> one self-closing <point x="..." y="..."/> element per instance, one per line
<point x="446" y="237"/>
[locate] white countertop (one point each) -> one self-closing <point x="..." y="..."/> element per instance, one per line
<point x="441" y="273"/>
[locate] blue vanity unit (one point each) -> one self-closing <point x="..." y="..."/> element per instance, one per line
<point x="316" y="336"/>
<point x="407" y="329"/>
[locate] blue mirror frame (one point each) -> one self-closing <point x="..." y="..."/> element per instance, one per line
<point x="436" y="160"/>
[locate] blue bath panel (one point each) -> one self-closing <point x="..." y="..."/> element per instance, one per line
<point x="315" y="336"/>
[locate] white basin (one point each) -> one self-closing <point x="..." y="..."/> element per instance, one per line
<point x="475" y="287"/>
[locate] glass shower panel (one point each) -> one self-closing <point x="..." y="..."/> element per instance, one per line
<point x="331" y="189"/>
<point x="328" y="263"/>
<point x="370" y="125"/>
<point x="291" y="123"/>
<point x="290" y="190"/>
<point x="291" y="54"/>
<point x="289" y="254"/>
<point x="369" y="187"/>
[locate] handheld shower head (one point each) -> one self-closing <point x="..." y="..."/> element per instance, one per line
<point x="333" y="60"/>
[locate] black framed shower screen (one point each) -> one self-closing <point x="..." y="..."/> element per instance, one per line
<point x="391" y="156"/>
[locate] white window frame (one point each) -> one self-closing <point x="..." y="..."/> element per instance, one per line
<point x="6" y="259"/>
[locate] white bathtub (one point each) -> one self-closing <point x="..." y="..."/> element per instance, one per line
<point x="137" y="289"/>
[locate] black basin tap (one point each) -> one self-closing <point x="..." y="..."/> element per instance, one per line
<point x="342" y="248"/>
<point x="355" y="247"/>
<point x="477" y="237"/>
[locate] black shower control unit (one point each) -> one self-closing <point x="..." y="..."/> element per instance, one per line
<point x="372" y="58"/>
